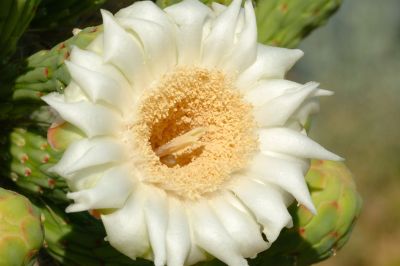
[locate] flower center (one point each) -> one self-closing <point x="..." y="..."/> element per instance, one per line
<point x="194" y="130"/>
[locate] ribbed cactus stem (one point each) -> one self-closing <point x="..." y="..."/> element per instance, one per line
<point x="21" y="230"/>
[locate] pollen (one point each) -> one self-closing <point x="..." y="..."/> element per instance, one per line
<point x="193" y="131"/>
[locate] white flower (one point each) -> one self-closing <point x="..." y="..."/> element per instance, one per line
<point x="193" y="143"/>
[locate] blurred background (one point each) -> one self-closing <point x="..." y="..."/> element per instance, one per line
<point x="357" y="55"/>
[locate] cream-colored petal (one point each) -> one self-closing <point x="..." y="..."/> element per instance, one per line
<point x="94" y="62"/>
<point x="221" y="36"/>
<point x="156" y="215"/>
<point x="289" y="175"/>
<point x="178" y="234"/>
<point x="101" y="88"/>
<point x="97" y="44"/>
<point x="218" y="8"/>
<point x="271" y="63"/>
<point x="74" y="93"/>
<point x="126" y="228"/>
<point x="287" y="141"/>
<point x="244" y="51"/>
<point x="158" y="44"/>
<point x="189" y="16"/>
<point x="87" y="153"/>
<point x="111" y="191"/>
<point x="211" y="235"/>
<point x="303" y="113"/>
<point x="125" y="52"/>
<point x="146" y="10"/>
<point x="277" y="111"/>
<point x="267" y="90"/>
<point x="266" y="203"/>
<point x="92" y="119"/>
<point x="240" y="225"/>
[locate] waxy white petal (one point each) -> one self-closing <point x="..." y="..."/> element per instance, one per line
<point x="159" y="47"/>
<point x="287" y="141"/>
<point x="189" y="16"/>
<point x="240" y="225"/>
<point x="178" y="233"/>
<point x="87" y="153"/>
<point x="277" y="111"/>
<point x="244" y="51"/>
<point x="155" y="210"/>
<point x="268" y="90"/>
<point x="266" y="203"/>
<point x="221" y="35"/>
<point x="126" y="227"/>
<point x="93" y="120"/>
<point x="211" y="235"/>
<point x="271" y="63"/>
<point x="111" y="191"/>
<point x="146" y="10"/>
<point x="101" y="88"/>
<point x="125" y="52"/>
<point x="289" y="175"/>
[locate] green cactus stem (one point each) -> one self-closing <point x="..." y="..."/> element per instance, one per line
<point x="15" y="16"/>
<point x="284" y="23"/>
<point x="21" y="232"/>
<point x="44" y="72"/>
<point x="30" y="158"/>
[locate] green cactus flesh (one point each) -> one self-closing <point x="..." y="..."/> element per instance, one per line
<point x="284" y="23"/>
<point x="21" y="232"/>
<point x="44" y="72"/>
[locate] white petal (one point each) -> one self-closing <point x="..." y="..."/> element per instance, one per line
<point x="73" y="93"/>
<point x="157" y="219"/>
<point x="240" y="226"/>
<point x="218" y="8"/>
<point x="220" y="39"/>
<point x="322" y="92"/>
<point x="124" y="51"/>
<point x="277" y="111"/>
<point x="146" y="10"/>
<point x="111" y="191"/>
<point x="244" y="51"/>
<point x="92" y="119"/>
<point x="293" y="143"/>
<point x="266" y="203"/>
<point x="190" y="16"/>
<point x="87" y="153"/>
<point x="267" y="90"/>
<point x="289" y="175"/>
<point x="97" y="44"/>
<point x="212" y="236"/>
<point x="178" y="234"/>
<point x="271" y="63"/>
<point x="126" y="228"/>
<point x="158" y="45"/>
<point x="100" y="87"/>
<point x="302" y="114"/>
<point x="94" y="62"/>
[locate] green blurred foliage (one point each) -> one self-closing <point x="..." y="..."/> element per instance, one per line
<point x="357" y="55"/>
